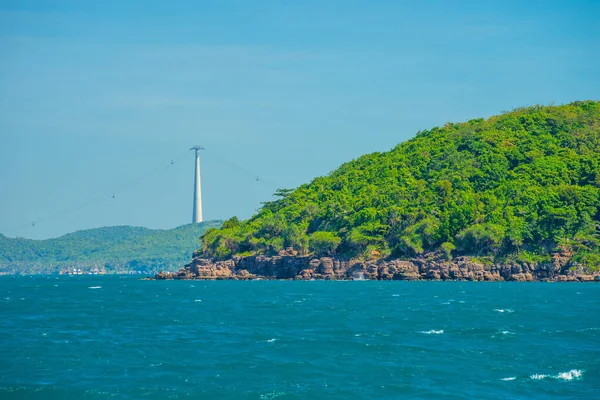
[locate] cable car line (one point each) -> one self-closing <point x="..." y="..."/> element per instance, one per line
<point x="111" y="194"/>
<point x="223" y="160"/>
<point x="126" y="186"/>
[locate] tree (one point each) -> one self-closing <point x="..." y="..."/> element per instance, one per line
<point x="324" y="243"/>
<point x="482" y="238"/>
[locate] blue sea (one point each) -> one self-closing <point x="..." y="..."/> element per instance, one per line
<point x="113" y="337"/>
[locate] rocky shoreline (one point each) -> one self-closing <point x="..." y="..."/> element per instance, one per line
<point x="289" y="265"/>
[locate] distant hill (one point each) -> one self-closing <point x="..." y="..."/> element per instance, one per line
<point x="519" y="188"/>
<point x="115" y="248"/>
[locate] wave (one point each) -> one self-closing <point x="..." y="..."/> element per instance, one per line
<point x="272" y="395"/>
<point x="570" y="375"/>
<point x="507" y="310"/>
<point x="510" y="378"/>
<point x="565" y="376"/>
<point x="433" y="332"/>
<point x="94" y="287"/>
<point x="588" y="329"/>
<point x="271" y="340"/>
<point x="502" y="334"/>
<point x="538" y="376"/>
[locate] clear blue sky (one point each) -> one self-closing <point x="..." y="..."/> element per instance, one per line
<point x="94" y="94"/>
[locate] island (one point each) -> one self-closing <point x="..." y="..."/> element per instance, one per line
<point x="107" y="250"/>
<point x="512" y="197"/>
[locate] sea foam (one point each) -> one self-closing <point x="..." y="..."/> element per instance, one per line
<point x="538" y="376"/>
<point x="570" y="375"/>
<point x="272" y="395"/>
<point x="565" y="376"/>
<point x="433" y="332"/>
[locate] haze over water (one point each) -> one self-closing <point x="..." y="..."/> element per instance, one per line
<point x="117" y="337"/>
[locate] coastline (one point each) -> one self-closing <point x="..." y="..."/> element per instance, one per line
<point x="289" y="266"/>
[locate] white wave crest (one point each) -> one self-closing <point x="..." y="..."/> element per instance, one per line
<point x="538" y="376"/>
<point x="197" y="301"/>
<point x="565" y="376"/>
<point x="507" y="310"/>
<point x="271" y="340"/>
<point x="433" y="332"/>
<point x="94" y="287"/>
<point x="269" y="396"/>
<point x="570" y="375"/>
<point x="510" y="378"/>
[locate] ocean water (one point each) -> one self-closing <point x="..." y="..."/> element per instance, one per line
<point x="110" y="337"/>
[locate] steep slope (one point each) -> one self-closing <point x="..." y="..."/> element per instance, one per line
<point x="111" y="248"/>
<point x="516" y="187"/>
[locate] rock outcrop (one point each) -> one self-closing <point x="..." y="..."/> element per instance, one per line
<point x="289" y="265"/>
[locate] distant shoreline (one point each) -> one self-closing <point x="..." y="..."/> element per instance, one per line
<point x="268" y="278"/>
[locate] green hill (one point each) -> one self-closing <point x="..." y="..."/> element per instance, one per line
<point x="116" y="248"/>
<point x="516" y="187"/>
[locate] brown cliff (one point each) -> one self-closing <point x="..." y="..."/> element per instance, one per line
<point x="288" y="265"/>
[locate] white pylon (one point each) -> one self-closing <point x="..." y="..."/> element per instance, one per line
<point x="197" y="212"/>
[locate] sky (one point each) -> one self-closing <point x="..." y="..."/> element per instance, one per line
<point x="100" y="101"/>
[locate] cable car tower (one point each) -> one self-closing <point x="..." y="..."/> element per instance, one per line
<point x="197" y="212"/>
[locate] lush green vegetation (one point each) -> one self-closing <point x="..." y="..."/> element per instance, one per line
<point x="118" y="248"/>
<point x="516" y="187"/>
